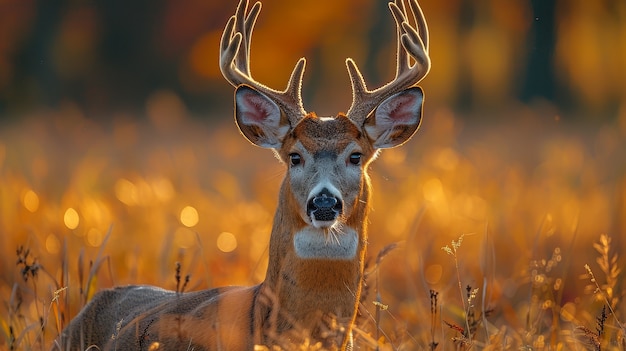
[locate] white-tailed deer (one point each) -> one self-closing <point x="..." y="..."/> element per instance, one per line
<point x="318" y="240"/>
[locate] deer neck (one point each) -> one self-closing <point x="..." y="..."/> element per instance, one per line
<point x="328" y="283"/>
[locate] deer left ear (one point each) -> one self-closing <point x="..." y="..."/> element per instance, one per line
<point x="396" y="119"/>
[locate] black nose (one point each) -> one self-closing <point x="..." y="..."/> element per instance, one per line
<point x="324" y="201"/>
<point x="324" y="206"/>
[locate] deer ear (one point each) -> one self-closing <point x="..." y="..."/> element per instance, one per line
<point x="396" y="119"/>
<point x="259" y="118"/>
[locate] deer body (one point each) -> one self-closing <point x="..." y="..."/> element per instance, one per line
<point x="319" y="238"/>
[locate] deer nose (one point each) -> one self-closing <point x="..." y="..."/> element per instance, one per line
<point x="324" y="207"/>
<point x="324" y="201"/>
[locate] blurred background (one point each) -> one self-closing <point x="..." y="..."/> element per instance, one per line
<point x="111" y="56"/>
<point x="119" y="155"/>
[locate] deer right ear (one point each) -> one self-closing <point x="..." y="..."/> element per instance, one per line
<point x="259" y="118"/>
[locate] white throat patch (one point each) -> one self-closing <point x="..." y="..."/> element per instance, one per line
<point x="316" y="243"/>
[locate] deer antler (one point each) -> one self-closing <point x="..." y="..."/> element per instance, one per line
<point x="235" y="62"/>
<point x="411" y="43"/>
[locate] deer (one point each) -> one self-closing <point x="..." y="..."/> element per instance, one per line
<point x="317" y="248"/>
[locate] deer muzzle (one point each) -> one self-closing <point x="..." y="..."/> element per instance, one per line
<point x="324" y="208"/>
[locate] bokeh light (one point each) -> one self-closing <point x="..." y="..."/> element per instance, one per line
<point x="189" y="216"/>
<point x="126" y="192"/>
<point x="94" y="237"/>
<point x="53" y="245"/>
<point x="71" y="219"/>
<point x="30" y="200"/>
<point x="226" y="242"/>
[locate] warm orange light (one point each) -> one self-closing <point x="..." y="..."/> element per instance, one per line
<point x="226" y="242"/>
<point x="433" y="273"/>
<point x="126" y="192"/>
<point x="30" y="201"/>
<point x="202" y="52"/>
<point x="184" y="238"/>
<point x="163" y="189"/>
<point x="71" y="219"/>
<point x="53" y="245"/>
<point x="447" y="159"/>
<point x="189" y="216"/>
<point x="433" y="190"/>
<point x="568" y="311"/>
<point x="95" y="237"/>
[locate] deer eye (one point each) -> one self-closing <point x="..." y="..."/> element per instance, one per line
<point x="295" y="159"/>
<point x="355" y="158"/>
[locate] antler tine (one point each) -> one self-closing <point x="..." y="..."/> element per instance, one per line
<point x="245" y="26"/>
<point x="412" y="43"/>
<point x="235" y="62"/>
<point x="420" y="20"/>
<point x="402" y="55"/>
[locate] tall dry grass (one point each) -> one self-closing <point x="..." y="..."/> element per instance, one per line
<point x="499" y="236"/>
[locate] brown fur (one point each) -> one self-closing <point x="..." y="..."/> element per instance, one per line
<point x="297" y="295"/>
<point x="330" y="287"/>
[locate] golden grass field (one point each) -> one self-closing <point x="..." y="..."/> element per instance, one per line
<point x="493" y="224"/>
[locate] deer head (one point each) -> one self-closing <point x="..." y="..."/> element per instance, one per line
<point x="327" y="157"/>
